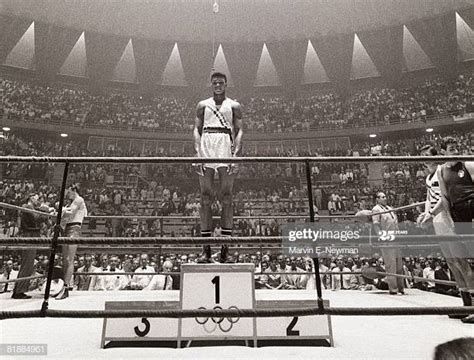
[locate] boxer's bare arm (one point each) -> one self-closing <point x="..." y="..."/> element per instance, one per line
<point x="237" y="117"/>
<point x="443" y="202"/>
<point x="198" y="124"/>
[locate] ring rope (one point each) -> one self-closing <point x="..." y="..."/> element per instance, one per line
<point x="140" y="217"/>
<point x="436" y="281"/>
<point x="384" y="274"/>
<point x="245" y="313"/>
<point x="215" y="240"/>
<point x="124" y="249"/>
<point x="22" y="279"/>
<point x="250" y="159"/>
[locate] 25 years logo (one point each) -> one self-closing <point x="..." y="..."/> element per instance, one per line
<point x="386" y="235"/>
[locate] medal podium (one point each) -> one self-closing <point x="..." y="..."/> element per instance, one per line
<point x="220" y="286"/>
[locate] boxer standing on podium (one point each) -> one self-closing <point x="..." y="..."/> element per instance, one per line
<point x="217" y="134"/>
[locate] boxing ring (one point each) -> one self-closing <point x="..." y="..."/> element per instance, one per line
<point x="361" y="330"/>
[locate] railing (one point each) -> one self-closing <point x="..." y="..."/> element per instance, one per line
<point x="174" y="130"/>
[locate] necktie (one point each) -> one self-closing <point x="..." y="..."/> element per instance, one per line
<point x="6" y="285"/>
<point x="166" y="282"/>
<point x="342" y="282"/>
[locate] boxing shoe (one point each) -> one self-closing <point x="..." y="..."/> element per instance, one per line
<point x="225" y="258"/>
<point x="63" y="294"/>
<point x="468" y="319"/>
<point x="21" y="296"/>
<point x="205" y="257"/>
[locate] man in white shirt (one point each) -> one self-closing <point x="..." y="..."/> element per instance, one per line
<point x="341" y="281"/>
<point x="162" y="281"/>
<point x="293" y="281"/>
<point x="308" y="280"/>
<point x="8" y="274"/>
<point x="139" y="282"/>
<point x="384" y="223"/>
<point x="109" y="282"/>
<point x="429" y="274"/>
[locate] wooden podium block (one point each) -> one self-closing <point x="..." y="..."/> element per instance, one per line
<point x="140" y="329"/>
<point x="220" y="286"/>
<point x="293" y="327"/>
<point x="217" y="286"/>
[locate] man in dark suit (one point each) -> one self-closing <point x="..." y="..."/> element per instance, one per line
<point x="29" y="227"/>
<point x="444" y="273"/>
<point x="84" y="281"/>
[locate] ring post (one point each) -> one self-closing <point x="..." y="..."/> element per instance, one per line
<point x="319" y="290"/>
<point x="310" y="191"/>
<point x="54" y="244"/>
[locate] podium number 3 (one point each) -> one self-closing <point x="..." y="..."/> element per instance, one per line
<point x="217" y="282"/>
<point x="144" y="332"/>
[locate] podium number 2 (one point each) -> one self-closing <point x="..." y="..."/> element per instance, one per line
<point x="289" y="329"/>
<point x="217" y="282"/>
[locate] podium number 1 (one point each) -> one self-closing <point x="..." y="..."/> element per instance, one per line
<point x="217" y="281"/>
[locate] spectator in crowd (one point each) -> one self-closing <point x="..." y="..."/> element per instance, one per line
<point x="444" y="273"/>
<point x="291" y="279"/>
<point x="110" y="282"/>
<point x="272" y="278"/>
<point x="84" y="281"/>
<point x="341" y="281"/>
<point x="429" y="274"/>
<point x="162" y="281"/>
<point x="140" y="282"/>
<point x="8" y="274"/>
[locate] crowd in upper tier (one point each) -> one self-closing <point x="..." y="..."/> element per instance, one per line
<point x="380" y="106"/>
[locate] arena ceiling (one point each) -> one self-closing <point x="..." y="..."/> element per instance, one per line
<point x="257" y="42"/>
<point x="236" y="20"/>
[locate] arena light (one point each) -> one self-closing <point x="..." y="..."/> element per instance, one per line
<point x="373" y="135"/>
<point x="64" y="135"/>
<point x="6" y="128"/>
<point x="429" y="130"/>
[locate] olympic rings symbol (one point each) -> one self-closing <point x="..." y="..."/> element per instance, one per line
<point x="217" y="322"/>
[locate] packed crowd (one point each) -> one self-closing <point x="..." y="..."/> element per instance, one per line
<point x="32" y="102"/>
<point x="339" y="188"/>
<point x="272" y="271"/>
